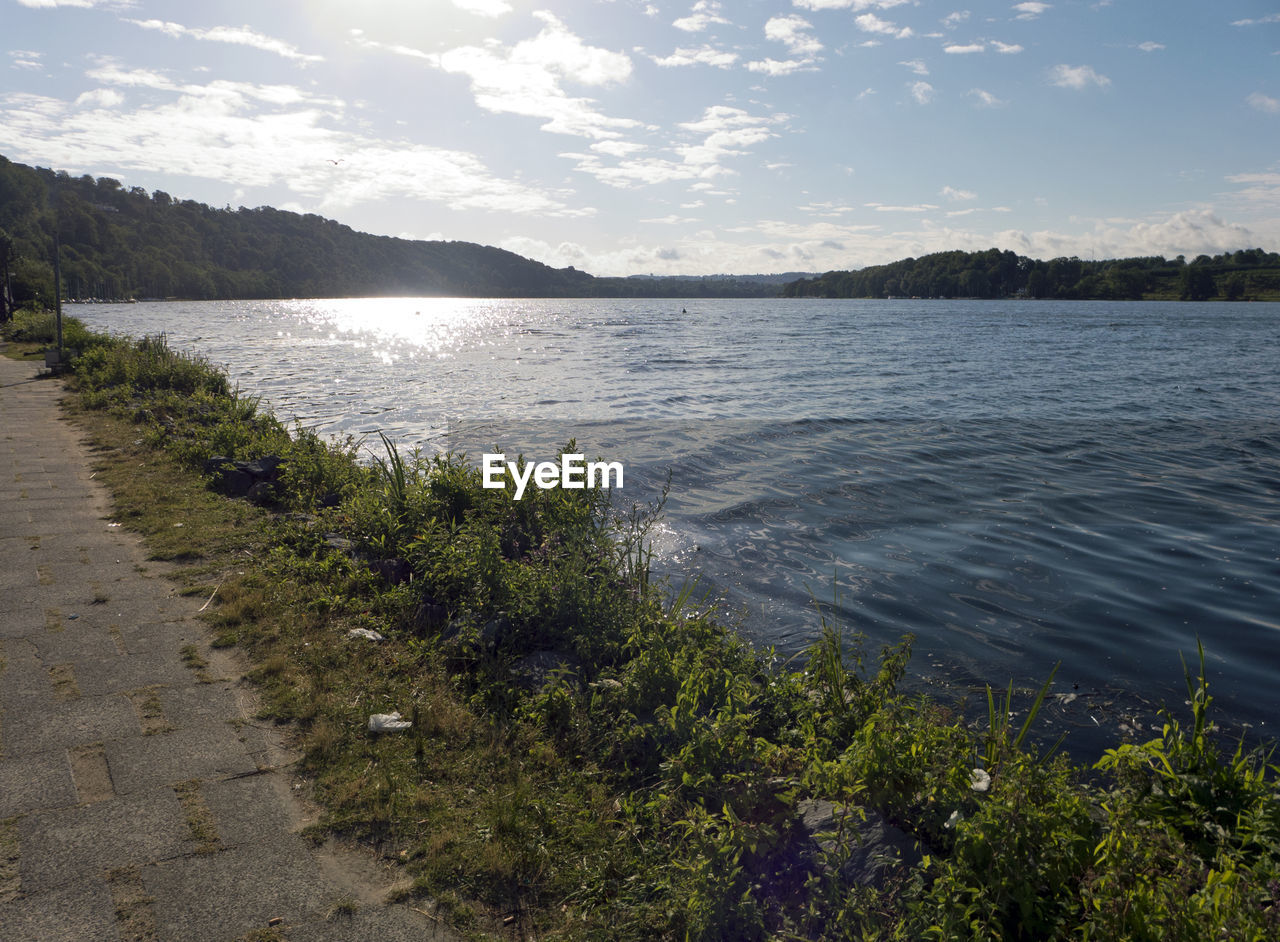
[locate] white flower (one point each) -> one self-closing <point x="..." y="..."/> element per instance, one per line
<point x="979" y="780"/>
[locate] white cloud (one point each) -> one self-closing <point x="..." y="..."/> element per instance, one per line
<point x="1269" y="18"/>
<point x="1029" y="11"/>
<point x="854" y="5"/>
<point x="703" y="14"/>
<point x="705" y="55"/>
<point x="916" y="65"/>
<point x="918" y="208"/>
<point x="1007" y="49"/>
<point x="1077" y="77"/>
<point x="922" y="92"/>
<point x="985" y="98"/>
<point x="870" y="23"/>
<point x="483" y="7"/>
<point x="792" y="32"/>
<point x="952" y="193"/>
<point x="236" y="35"/>
<point x="103" y="97"/>
<point x="525" y="79"/>
<point x="25" y="59"/>
<point x="358" y="37"/>
<point x="81" y="4"/>
<point x="952" y="20"/>
<point x="1264" y="103"/>
<point x="956" y="49"/>
<point x="782" y="67"/>
<point x="1150" y="46"/>
<point x="255" y="136"/>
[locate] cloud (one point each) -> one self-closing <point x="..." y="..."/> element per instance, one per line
<point x="792" y="32"/>
<point x="1264" y="103"/>
<point x="1269" y="18"/>
<point x="703" y="14"/>
<point x="917" y="66"/>
<point x="922" y="92"/>
<point x="236" y="35"/>
<point x="1007" y="49"/>
<point x="1077" y="77"/>
<point x="25" y="59"/>
<point x="985" y="98"/>
<point x="254" y="136"/>
<point x="81" y="4"/>
<point x="726" y="131"/>
<point x="1150" y="46"/>
<point x="525" y="79"/>
<point x="1029" y="11"/>
<point x="956" y="49"/>
<point x="782" y="67"/>
<point x="854" y="5"/>
<point x="492" y="8"/>
<point x="952" y="20"/>
<point x="102" y="97"/>
<point x="952" y="193"/>
<point x="358" y="37"/>
<point x="919" y="208"/>
<point x="704" y="55"/>
<point x="870" y="23"/>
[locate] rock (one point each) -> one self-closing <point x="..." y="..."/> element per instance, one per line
<point x="339" y="542"/>
<point x="262" y="492"/>
<point x="428" y="616"/>
<point x="534" y="670"/>
<point x="867" y="848"/>
<point x="235" y="483"/>
<point x="495" y="631"/>
<point x="367" y="633"/>
<point x="392" y="571"/>
<point x="216" y="464"/>
<point x="266" y="468"/>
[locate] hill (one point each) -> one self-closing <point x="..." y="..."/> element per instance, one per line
<point x="1237" y="276"/>
<point x="119" y="242"/>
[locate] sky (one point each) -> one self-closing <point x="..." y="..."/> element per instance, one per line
<point x="696" y="137"/>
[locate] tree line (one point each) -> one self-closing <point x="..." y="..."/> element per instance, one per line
<point x="118" y="242"/>
<point x="1250" y="274"/>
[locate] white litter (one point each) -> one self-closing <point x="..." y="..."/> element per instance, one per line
<point x="387" y="723"/>
<point x="365" y="633"/>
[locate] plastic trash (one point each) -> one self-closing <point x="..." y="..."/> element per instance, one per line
<point x="365" y="633"/>
<point x="387" y="723"/>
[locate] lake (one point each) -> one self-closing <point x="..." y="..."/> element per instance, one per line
<point x="1017" y="483"/>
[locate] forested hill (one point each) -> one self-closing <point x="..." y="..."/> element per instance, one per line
<point x="119" y="242"/>
<point x="1245" y="275"/>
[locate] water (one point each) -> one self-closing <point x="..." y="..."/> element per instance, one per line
<point x="1016" y="483"/>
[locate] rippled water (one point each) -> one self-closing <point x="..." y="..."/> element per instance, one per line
<point x="1016" y="483"/>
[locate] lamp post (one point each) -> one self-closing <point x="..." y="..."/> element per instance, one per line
<point x="57" y="289"/>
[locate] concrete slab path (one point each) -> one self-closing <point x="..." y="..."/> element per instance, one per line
<point x="138" y="801"/>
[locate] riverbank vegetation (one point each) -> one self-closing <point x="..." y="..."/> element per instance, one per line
<point x="593" y="756"/>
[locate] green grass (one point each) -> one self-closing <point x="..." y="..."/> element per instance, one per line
<point x="649" y="790"/>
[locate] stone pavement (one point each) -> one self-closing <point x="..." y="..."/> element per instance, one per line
<point x="138" y="801"/>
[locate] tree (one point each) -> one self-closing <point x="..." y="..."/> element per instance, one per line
<point x="1196" y="282"/>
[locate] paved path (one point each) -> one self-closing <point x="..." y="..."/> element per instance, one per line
<point x="136" y="801"/>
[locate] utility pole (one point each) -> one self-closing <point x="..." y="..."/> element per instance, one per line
<point x="57" y="289"/>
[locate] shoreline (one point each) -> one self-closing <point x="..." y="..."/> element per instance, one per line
<point x="581" y="742"/>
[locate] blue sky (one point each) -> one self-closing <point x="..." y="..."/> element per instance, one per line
<point x="632" y="136"/>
